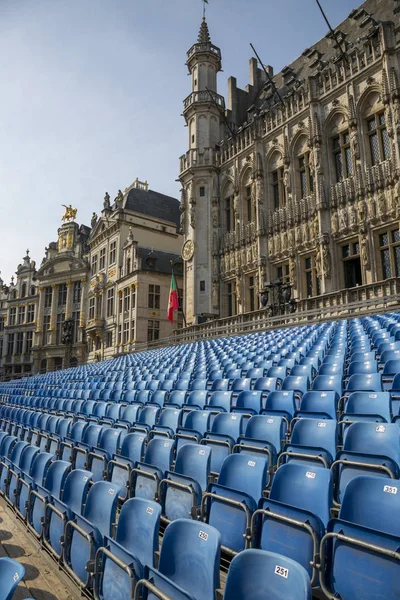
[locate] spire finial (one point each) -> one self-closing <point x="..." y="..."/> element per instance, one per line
<point x="204" y="9"/>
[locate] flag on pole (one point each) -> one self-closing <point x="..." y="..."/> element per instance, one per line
<point x="173" y="299"/>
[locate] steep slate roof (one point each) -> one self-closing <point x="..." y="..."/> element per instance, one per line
<point x="162" y="261"/>
<point x="360" y="22"/>
<point x="153" y="204"/>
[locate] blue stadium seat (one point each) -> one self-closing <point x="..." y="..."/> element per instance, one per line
<point x="28" y="481"/>
<point x="181" y="490"/>
<point x="146" y="475"/>
<point x="264" y="436"/>
<point x="229" y="504"/>
<point x="224" y="433"/>
<point x="85" y="534"/>
<point x="293" y="524"/>
<point x="260" y="575"/>
<point x="313" y="442"/>
<point x="189" y="563"/>
<point x="58" y="512"/>
<point x="359" y="554"/>
<point x="11" y="573"/>
<point x="318" y="405"/>
<point x="121" y="562"/>
<point x="197" y="423"/>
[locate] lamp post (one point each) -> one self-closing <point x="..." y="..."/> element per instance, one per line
<point x="276" y="298"/>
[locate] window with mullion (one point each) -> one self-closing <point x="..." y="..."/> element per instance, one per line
<point x="379" y="142"/>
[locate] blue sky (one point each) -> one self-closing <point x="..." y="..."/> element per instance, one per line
<point x="91" y="96"/>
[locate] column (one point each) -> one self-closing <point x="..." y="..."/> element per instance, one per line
<point x="131" y="288"/>
<point x="39" y="314"/>
<point x="24" y="344"/>
<point x="82" y="317"/>
<point x="53" y="313"/>
<point x="68" y="308"/>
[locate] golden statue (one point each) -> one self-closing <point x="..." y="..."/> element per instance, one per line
<point x="70" y="213"/>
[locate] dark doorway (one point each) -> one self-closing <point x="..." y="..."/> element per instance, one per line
<point x="58" y="363"/>
<point x="43" y="365"/>
<point x="73" y="362"/>
<point x="352" y="273"/>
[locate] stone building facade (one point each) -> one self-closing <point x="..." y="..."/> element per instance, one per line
<point x="63" y="279"/>
<point x="132" y="246"/>
<point x="305" y="185"/>
<point x="18" y="314"/>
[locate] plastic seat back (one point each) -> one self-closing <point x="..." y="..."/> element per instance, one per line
<point x="101" y="506"/>
<point x="194" y="461"/>
<point x="11" y="573"/>
<point x="228" y="424"/>
<point x="56" y="477"/>
<point x="75" y="490"/>
<point x="259" y="574"/>
<point x="138" y="528"/>
<point x="133" y="446"/>
<point x="160" y="453"/>
<point x="190" y="556"/>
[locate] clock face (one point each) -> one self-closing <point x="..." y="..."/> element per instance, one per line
<point x="188" y="250"/>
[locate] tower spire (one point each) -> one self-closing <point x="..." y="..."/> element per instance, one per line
<point x="204" y="34"/>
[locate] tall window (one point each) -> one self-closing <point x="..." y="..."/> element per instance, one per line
<point x="231" y="299"/>
<point x="119" y="334"/>
<point x="282" y="273"/>
<point x="154" y="296"/>
<point x="1" y="347"/>
<point x="229" y="213"/>
<point x="76" y="317"/>
<point x="312" y="281"/>
<point x="306" y="178"/>
<point x="127" y="299"/>
<point x="77" y="293"/>
<point x="109" y="339"/>
<point x="20" y="341"/>
<point x="62" y="294"/>
<point x="45" y="331"/>
<point x="351" y="264"/>
<point x="102" y="261"/>
<point x="389" y="243"/>
<point x="110" y="302"/>
<point x="126" y="328"/>
<point x="92" y="304"/>
<point x="13" y="316"/>
<point x="10" y="345"/>
<point x="133" y="297"/>
<point x="153" y="331"/>
<point x="252" y="291"/>
<point x="59" y="327"/>
<point x="113" y="253"/>
<point x="30" y="316"/>
<point x="379" y="142"/>
<point x="99" y="305"/>
<point x="120" y="301"/>
<point x="29" y="341"/>
<point x="21" y="315"/>
<point x="2" y="323"/>
<point x="23" y="290"/>
<point x="342" y="156"/>
<point x="48" y="294"/>
<point x="278" y="188"/>
<point x="94" y="264"/>
<point x="249" y="204"/>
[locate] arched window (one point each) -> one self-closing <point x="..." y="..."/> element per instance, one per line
<point x="247" y="207"/>
<point x="342" y="159"/>
<point x="23" y="290"/>
<point x="228" y="208"/>
<point x="32" y="290"/>
<point x="375" y="129"/>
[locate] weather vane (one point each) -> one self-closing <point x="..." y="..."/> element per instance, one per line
<point x="204" y="8"/>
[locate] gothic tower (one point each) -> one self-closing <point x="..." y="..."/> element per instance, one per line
<point x="198" y="176"/>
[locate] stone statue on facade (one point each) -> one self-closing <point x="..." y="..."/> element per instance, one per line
<point x="238" y="293"/>
<point x="382" y="204"/>
<point x="106" y="203"/>
<point x="318" y="262"/>
<point x="326" y="261"/>
<point x="119" y="199"/>
<point x="293" y="271"/>
<point x="93" y="220"/>
<point x="365" y="253"/>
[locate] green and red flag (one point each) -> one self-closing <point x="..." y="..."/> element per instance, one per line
<point x="173" y="303"/>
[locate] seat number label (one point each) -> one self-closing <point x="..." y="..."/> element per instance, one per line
<point x="251" y="463"/>
<point x="310" y="475"/>
<point x="270" y="420"/>
<point x="202" y="452"/>
<point x="321" y="424"/>
<point x="381" y="429"/>
<point x="16" y="577"/>
<point x="390" y="489"/>
<point x="149" y="510"/>
<point x="281" y="571"/>
<point x="111" y="492"/>
<point x="203" y="535"/>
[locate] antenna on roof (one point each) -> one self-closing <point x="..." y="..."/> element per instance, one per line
<point x="221" y="110"/>
<point x="332" y="32"/>
<point x="270" y="80"/>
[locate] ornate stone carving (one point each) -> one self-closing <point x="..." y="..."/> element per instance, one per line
<point x="365" y="254"/>
<point x="215" y="301"/>
<point x="326" y="260"/>
<point x="214" y="212"/>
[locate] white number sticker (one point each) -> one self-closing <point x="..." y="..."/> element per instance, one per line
<point x="321" y="424"/>
<point x="16" y="577"/>
<point x="203" y="535"/>
<point x="281" y="571"/>
<point x="149" y="510"/>
<point x="285" y="394"/>
<point x="202" y="452"/>
<point x="270" y="420"/>
<point x="166" y="445"/>
<point x="390" y="489"/>
<point x="310" y="475"/>
<point x="85" y="478"/>
<point x="251" y="463"/>
<point x="111" y="491"/>
<point x="373" y="396"/>
<point x="381" y="429"/>
<point x="116" y="433"/>
<point x="323" y="395"/>
<point x="233" y="417"/>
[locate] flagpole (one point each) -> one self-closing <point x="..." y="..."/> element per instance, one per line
<point x="180" y="306"/>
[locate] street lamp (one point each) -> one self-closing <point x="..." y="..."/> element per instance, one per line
<point x="276" y="297"/>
